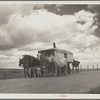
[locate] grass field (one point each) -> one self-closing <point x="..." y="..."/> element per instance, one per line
<point x="81" y="82"/>
<point x="11" y="73"/>
<point x="19" y="73"/>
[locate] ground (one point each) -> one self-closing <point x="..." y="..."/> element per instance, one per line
<point x="74" y="83"/>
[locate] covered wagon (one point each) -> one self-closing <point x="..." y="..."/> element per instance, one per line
<point x="56" y="61"/>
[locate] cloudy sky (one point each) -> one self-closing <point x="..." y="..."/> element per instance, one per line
<point x="27" y="28"/>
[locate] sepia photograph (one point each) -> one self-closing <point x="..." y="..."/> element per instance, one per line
<point x="49" y="48"/>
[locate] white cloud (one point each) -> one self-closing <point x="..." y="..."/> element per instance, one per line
<point x="6" y="10"/>
<point x="43" y="26"/>
<point x="87" y="18"/>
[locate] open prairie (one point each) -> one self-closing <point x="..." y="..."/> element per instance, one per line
<point x="74" y="83"/>
<point x="11" y="73"/>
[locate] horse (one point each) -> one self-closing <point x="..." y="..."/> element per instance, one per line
<point x="42" y="71"/>
<point x="75" y="64"/>
<point x="23" y="64"/>
<point x="60" y="66"/>
<point x="53" y="65"/>
<point x="30" y="63"/>
<point x="38" y="71"/>
<point x="44" y="62"/>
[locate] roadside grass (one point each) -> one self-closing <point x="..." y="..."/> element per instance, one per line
<point x="11" y="73"/>
<point x="95" y="90"/>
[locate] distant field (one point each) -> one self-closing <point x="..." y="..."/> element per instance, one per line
<point x="19" y="73"/>
<point x="11" y="73"/>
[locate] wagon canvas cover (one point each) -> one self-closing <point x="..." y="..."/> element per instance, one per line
<point x="58" y="53"/>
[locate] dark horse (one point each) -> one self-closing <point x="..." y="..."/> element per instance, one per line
<point x="76" y="65"/>
<point x="29" y="64"/>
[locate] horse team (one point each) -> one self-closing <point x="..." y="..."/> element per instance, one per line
<point x="46" y="66"/>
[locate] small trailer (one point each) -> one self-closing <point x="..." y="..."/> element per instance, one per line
<point x="56" y="61"/>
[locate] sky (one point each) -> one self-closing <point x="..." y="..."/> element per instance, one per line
<point x="28" y="28"/>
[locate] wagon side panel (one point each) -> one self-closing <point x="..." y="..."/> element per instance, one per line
<point x="70" y="58"/>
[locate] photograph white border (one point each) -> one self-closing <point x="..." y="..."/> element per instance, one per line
<point x="49" y="96"/>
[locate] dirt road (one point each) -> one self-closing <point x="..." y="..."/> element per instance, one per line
<point x="75" y="83"/>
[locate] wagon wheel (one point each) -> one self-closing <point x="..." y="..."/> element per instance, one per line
<point x="65" y="70"/>
<point x="68" y="69"/>
<point x="56" y="72"/>
<point x="29" y="72"/>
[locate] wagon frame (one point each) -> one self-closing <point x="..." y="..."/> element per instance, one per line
<point x="62" y="60"/>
